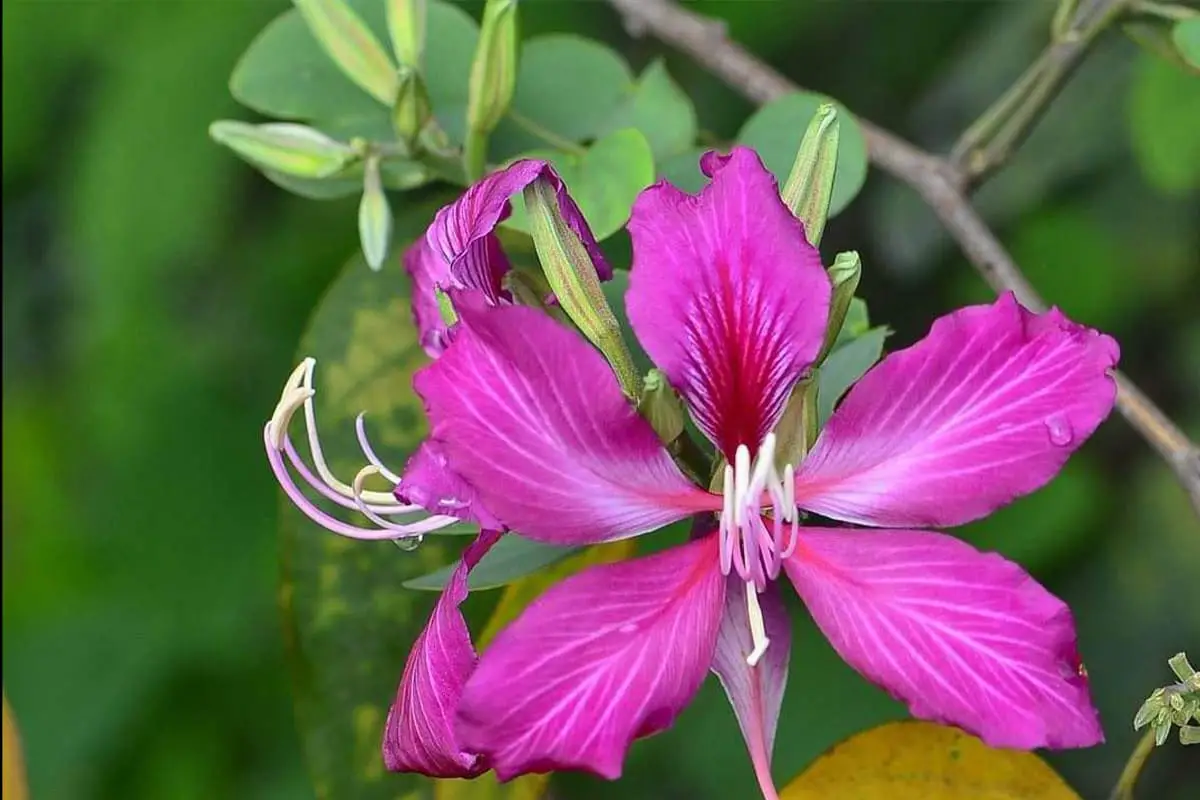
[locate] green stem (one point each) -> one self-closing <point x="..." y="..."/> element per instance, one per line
<point x="1133" y="767"/>
<point x="1167" y="11"/>
<point x="545" y="134"/>
<point x="475" y="154"/>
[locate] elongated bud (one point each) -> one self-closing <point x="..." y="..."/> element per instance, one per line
<point x="284" y="147"/>
<point x="494" y="70"/>
<point x="412" y="110"/>
<point x="572" y="276"/>
<point x="406" y="28"/>
<point x="809" y="187"/>
<point x="348" y="41"/>
<point x="1184" y="670"/>
<point x="660" y="406"/>
<point x="844" y="274"/>
<point x="796" y="431"/>
<point x="374" y="216"/>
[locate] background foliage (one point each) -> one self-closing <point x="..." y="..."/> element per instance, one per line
<point x="155" y="287"/>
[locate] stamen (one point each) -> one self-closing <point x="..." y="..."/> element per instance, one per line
<point x="360" y="427"/>
<point x="758" y="628"/>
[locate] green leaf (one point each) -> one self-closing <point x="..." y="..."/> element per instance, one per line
<point x="604" y="181"/>
<point x="683" y="170"/>
<point x="286" y="74"/>
<point x="1164" y="117"/>
<point x="397" y="174"/>
<point x="661" y="110"/>
<point x="568" y="87"/>
<point x="512" y="558"/>
<point x="844" y="366"/>
<point x="349" y="621"/>
<point x="351" y="45"/>
<point x="775" y="131"/>
<point x="1186" y="35"/>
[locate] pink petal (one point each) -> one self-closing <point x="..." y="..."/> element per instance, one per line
<point x="605" y="657"/>
<point x="419" y="734"/>
<point x="963" y="637"/>
<point x="727" y="296"/>
<point x="756" y="693"/>
<point x="984" y="409"/>
<point x="530" y="414"/>
<point x="431" y="483"/>
<point x="428" y="273"/>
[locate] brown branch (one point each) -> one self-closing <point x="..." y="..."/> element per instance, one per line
<point x="937" y="180"/>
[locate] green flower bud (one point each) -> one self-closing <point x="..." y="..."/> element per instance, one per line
<point x="796" y="431"/>
<point x="660" y="406"/>
<point x="494" y="70"/>
<point x="572" y="276"/>
<point x="348" y="41"/>
<point x="374" y="216"/>
<point x="844" y="274"/>
<point x="809" y="187"/>
<point x="406" y="27"/>
<point x="284" y="147"/>
<point x="412" y="109"/>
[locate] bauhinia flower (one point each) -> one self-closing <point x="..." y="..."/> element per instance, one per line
<point x="731" y="302"/>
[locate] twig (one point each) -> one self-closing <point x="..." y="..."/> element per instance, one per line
<point x="1133" y="767"/>
<point x="941" y="184"/>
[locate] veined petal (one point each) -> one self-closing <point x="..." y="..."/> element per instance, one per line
<point x="984" y="409"/>
<point x="463" y="232"/>
<point x="431" y="483"/>
<point x="428" y="273"/>
<point x="756" y="693"/>
<point x="419" y="734"/>
<point x="727" y="296"/>
<point x="607" y="656"/>
<point x="533" y="418"/>
<point x="962" y="637"/>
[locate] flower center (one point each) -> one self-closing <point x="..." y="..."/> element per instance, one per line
<point x="752" y="545"/>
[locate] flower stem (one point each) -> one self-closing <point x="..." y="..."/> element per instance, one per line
<point x="1133" y="767"/>
<point x="475" y="154"/>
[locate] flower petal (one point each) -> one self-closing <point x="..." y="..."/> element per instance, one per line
<point x="431" y="483"/>
<point x="532" y="417"/>
<point x="727" y="296"/>
<point x="984" y="409"/>
<point x="756" y="693"/>
<point x="963" y="637"/>
<point x="419" y="734"/>
<point x="428" y="273"/>
<point x="605" y="657"/>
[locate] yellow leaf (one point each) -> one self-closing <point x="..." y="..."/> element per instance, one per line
<point x="14" y="765"/>
<point x="924" y="761"/>
<point x="516" y="597"/>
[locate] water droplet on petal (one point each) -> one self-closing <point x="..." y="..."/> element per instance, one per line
<point x="1059" y="429"/>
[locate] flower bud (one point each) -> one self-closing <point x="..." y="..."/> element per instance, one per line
<point x="494" y="70"/>
<point x="284" y="147"/>
<point x="660" y="406"/>
<point x="572" y="276"/>
<point x="412" y="110"/>
<point x="348" y="41"/>
<point x="809" y="187"/>
<point x="406" y="27"/>
<point x="844" y="274"/>
<point x="374" y="216"/>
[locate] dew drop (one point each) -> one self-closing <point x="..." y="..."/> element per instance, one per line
<point x="1059" y="429"/>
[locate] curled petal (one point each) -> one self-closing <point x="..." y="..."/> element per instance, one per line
<point x="532" y="417"/>
<point x="962" y="637"/>
<point x="727" y="296"/>
<point x="419" y="734"/>
<point x="432" y="484"/>
<point x="984" y="409"/>
<point x="428" y="273"/>
<point x="607" y="656"/>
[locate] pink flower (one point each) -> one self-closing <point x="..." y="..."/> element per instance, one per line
<point x="731" y="302"/>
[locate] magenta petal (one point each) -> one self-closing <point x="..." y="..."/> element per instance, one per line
<point x="607" y="656"/>
<point x="756" y="693"/>
<point x="431" y="483"/>
<point x="962" y="637"/>
<point x="727" y="296"/>
<point x="419" y="734"/>
<point x="533" y="417"/>
<point x="984" y="409"/>
<point x="428" y="273"/>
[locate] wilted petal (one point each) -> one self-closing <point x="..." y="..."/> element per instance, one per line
<point x="756" y="693"/>
<point x="605" y="657"/>
<point x="963" y="637"/>
<point x="431" y="483"/>
<point x="984" y="409"/>
<point x="428" y="273"/>
<point x="532" y="417"/>
<point x="419" y="734"/>
<point x="727" y="296"/>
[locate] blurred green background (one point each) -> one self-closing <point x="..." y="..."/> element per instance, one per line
<point x="155" y="288"/>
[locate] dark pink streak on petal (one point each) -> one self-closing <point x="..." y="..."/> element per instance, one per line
<point x="430" y="482"/>
<point x="727" y="296"/>
<point x="532" y="416"/>
<point x="419" y="734"/>
<point x="984" y="409"/>
<point x="605" y="657"/>
<point x="963" y="637"/>
<point x="428" y="273"/>
<point x="756" y="693"/>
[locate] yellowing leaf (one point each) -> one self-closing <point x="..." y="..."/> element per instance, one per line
<point x="924" y="761"/>
<point x="14" y="765"/>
